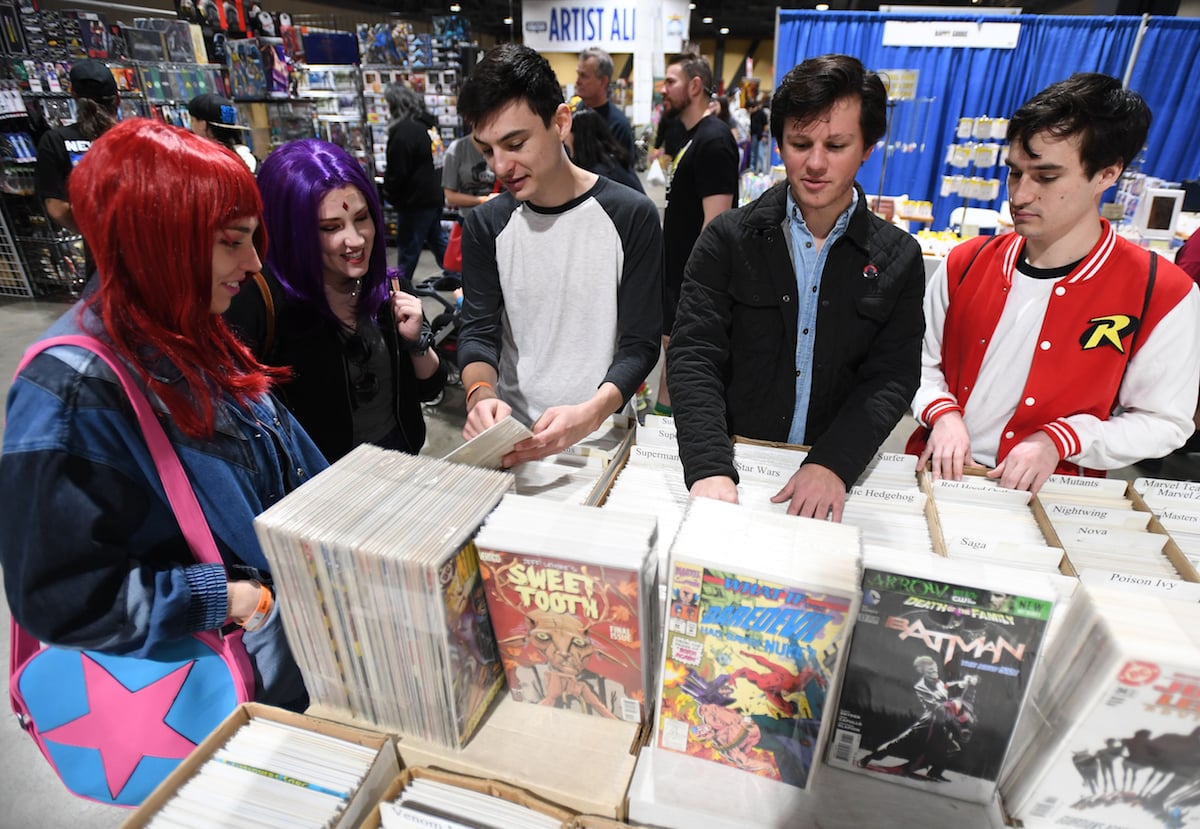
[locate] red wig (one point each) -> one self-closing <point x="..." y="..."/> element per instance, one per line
<point x="149" y="199"/>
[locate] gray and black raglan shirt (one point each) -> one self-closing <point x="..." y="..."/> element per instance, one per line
<point x="561" y="300"/>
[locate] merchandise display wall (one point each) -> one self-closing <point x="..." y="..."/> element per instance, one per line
<point x="994" y="82"/>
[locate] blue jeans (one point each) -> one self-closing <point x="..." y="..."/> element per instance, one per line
<point x="416" y="229"/>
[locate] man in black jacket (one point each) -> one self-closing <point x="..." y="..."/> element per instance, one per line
<point x="800" y="315"/>
<point x="411" y="182"/>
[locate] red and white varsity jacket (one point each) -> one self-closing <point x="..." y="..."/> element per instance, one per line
<point x="1105" y="344"/>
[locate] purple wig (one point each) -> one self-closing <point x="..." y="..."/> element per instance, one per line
<point x="293" y="181"/>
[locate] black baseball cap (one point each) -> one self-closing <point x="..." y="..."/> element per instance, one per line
<point x="215" y="110"/>
<point x="91" y="79"/>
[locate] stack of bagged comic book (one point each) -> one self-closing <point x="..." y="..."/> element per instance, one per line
<point x="1107" y="537"/>
<point x="271" y="774"/>
<point x="760" y="606"/>
<point x="1112" y="737"/>
<point x="939" y="666"/>
<point x="983" y="521"/>
<point x="380" y="594"/>
<point x="572" y="597"/>
<point x="885" y="503"/>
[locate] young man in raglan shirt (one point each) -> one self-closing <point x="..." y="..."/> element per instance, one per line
<point x="562" y="273"/>
<point x="1061" y="347"/>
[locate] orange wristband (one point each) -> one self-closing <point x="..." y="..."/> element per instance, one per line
<point x="258" y="618"/>
<point x="482" y="384"/>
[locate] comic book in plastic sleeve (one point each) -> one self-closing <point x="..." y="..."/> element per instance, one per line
<point x="935" y="678"/>
<point x="748" y="665"/>
<point x="474" y="668"/>
<point x="570" y="634"/>
<point x="1132" y="758"/>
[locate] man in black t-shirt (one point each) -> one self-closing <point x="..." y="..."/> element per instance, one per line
<point x="701" y="184"/>
<point x="59" y="150"/>
<point x="759" y="119"/>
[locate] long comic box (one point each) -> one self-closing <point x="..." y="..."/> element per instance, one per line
<point x="1187" y="571"/>
<point x="382" y="771"/>
<point x="567" y="818"/>
<point x="938" y="531"/>
<point x="582" y="763"/>
<point x="1042" y="514"/>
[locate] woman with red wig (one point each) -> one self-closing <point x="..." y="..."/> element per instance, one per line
<point x="361" y="353"/>
<point x="93" y="556"/>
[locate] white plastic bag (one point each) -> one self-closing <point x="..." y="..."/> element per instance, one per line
<point x="655" y="174"/>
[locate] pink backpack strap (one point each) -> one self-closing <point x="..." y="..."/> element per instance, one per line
<point x="180" y="495"/>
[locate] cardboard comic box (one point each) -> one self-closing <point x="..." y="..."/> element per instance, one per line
<point x="383" y="770"/>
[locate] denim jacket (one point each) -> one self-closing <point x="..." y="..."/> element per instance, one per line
<point x="92" y="554"/>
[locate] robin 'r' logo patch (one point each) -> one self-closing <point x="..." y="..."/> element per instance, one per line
<point x="1108" y="330"/>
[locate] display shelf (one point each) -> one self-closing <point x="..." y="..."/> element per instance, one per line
<point x="14" y="279"/>
<point x="977" y="151"/>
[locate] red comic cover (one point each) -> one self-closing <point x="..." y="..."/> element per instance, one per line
<point x="570" y="634"/>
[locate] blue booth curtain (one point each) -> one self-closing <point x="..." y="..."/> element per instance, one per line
<point x="962" y="82"/>
<point x="1165" y="75"/>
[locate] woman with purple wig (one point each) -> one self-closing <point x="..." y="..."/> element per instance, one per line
<point x="358" y="348"/>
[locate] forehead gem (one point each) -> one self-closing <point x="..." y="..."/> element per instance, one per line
<point x="345" y="206"/>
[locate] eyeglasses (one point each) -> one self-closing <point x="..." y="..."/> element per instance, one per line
<point x="358" y="352"/>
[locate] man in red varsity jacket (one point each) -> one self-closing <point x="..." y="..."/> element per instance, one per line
<point x="1061" y="347"/>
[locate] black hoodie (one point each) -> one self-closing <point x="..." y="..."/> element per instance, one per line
<point x="410" y="181"/>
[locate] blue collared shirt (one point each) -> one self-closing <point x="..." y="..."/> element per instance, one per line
<point x="808" y="262"/>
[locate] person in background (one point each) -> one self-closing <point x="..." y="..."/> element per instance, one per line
<point x="593" y="148"/>
<point x="361" y="359"/>
<point x="760" y="148"/>
<point x="702" y="183"/>
<point x="718" y="107"/>
<point x="92" y="553"/>
<point x="216" y="118"/>
<point x="800" y="314"/>
<point x="561" y="273"/>
<point x="467" y="181"/>
<point x="669" y="138"/>
<point x="593" y="76"/>
<point x="60" y="149"/>
<point x="1188" y="257"/>
<point x="1061" y="347"/>
<point x="411" y="182"/>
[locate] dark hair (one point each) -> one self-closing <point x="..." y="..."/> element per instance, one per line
<point x="594" y="145"/>
<point x="509" y="72"/>
<point x="403" y="102"/>
<point x="695" y="66"/>
<point x="723" y="112"/>
<point x="1113" y="121"/>
<point x="225" y="136"/>
<point x="293" y="181"/>
<point x="810" y="88"/>
<point x="93" y="118"/>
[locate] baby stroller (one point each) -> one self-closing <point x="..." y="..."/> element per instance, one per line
<point x="445" y="325"/>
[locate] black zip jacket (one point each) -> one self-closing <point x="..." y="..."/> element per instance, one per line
<point x="731" y="364"/>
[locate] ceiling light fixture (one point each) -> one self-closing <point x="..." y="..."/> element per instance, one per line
<point x="723" y="30"/>
<point x="691" y="7"/>
<point x="706" y="20"/>
<point x="454" y="7"/>
<point x="508" y="21"/>
<point x="824" y="7"/>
